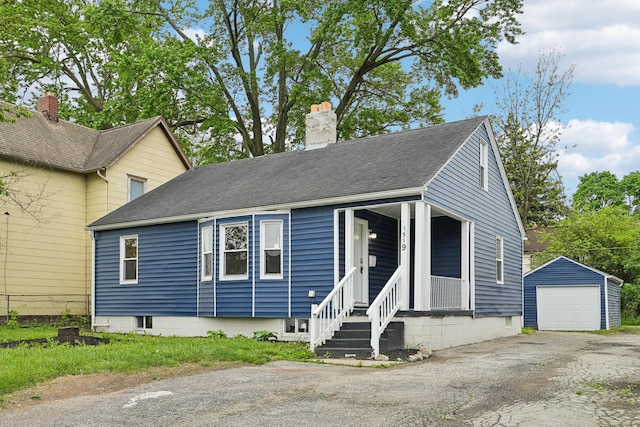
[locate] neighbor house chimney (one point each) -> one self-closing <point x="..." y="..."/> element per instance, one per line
<point x="321" y="126"/>
<point x="48" y="106"/>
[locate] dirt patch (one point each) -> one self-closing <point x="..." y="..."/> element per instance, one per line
<point x="98" y="384"/>
<point x="74" y="341"/>
<point x="400" y="355"/>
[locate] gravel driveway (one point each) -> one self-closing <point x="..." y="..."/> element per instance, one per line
<point x="543" y="379"/>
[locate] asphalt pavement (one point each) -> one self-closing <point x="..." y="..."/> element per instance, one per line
<point x="542" y="379"/>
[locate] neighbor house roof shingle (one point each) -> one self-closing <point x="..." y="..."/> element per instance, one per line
<point x="382" y="164"/>
<point x="72" y="147"/>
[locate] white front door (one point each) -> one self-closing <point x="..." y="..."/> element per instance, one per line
<point x="361" y="261"/>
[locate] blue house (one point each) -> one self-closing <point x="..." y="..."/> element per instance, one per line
<point x="568" y="296"/>
<point x="416" y="228"/>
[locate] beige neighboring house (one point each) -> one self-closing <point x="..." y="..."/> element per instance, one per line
<point x="533" y="246"/>
<point x="71" y="176"/>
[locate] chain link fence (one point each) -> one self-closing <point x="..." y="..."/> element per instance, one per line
<point x="45" y="308"/>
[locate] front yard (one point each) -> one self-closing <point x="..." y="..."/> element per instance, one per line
<point x="27" y="365"/>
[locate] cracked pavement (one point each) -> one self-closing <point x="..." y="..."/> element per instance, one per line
<point x="546" y="378"/>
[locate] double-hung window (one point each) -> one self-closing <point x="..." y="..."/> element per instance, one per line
<point x="129" y="259"/>
<point x="207" y="252"/>
<point x="499" y="260"/>
<point x="234" y="253"/>
<point x="137" y="187"/>
<point x="484" y="165"/>
<point x="271" y="249"/>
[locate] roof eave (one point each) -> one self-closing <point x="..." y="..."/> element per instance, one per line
<point x="279" y="207"/>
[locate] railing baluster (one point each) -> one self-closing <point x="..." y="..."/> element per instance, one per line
<point x="328" y="316"/>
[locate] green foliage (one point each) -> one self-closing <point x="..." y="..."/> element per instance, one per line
<point x="11" y="113"/>
<point x="384" y="64"/>
<point x="26" y="366"/>
<point x="630" y="303"/>
<point x="607" y="240"/>
<point x="264" y="335"/>
<point x="13" y="320"/>
<point x="597" y="190"/>
<point x="218" y="333"/>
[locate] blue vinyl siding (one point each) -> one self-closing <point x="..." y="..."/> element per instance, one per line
<point x="311" y="257"/>
<point x="445" y="247"/>
<point x="561" y="272"/>
<point x="272" y="295"/>
<point x="167" y="272"/>
<point x="613" y="289"/>
<point x="457" y="189"/>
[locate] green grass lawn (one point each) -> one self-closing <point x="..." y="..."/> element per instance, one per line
<point x="26" y="366"/>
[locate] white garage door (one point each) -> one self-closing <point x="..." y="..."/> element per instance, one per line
<point x="568" y="308"/>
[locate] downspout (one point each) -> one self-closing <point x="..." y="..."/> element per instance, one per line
<point x="108" y="188"/>
<point x="606" y="303"/>
<point x="524" y="239"/>
<point x="93" y="257"/>
<point x="93" y="284"/>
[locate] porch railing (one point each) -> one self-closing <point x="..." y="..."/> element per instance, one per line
<point x="383" y="308"/>
<point x="446" y="292"/>
<point x="328" y="316"/>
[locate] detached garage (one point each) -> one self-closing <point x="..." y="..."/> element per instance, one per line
<point x="564" y="295"/>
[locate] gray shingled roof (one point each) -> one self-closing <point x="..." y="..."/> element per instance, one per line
<point x="69" y="146"/>
<point x="381" y="164"/>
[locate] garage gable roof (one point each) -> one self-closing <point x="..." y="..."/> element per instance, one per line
<point x="606" y="275"/>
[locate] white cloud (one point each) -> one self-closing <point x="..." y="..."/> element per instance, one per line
<point x="601" y="37"/>
<point x="195" y="34"/>
<point x="597" y="146"/>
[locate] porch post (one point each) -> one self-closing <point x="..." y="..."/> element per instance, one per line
<point x="464" y="260"/>
<point x="422" y="258"/>
<point x="426" y="259"/>
<point x="472" y="267"/>
<point x="348" y="239"/>
<point x="405" y="254"/>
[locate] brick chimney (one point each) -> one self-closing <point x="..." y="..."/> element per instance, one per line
<point x="321" y="126"/>
<point x="48" y="106"/>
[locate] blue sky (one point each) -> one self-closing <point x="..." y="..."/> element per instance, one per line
<point x="602" y="39"/>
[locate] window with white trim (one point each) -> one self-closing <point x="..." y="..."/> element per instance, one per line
<point x="484" y="165"/>
<point x="129" y="259"/>
<point x="234" y="254"/>
<point x="499" y="260"/>
<point x="137" y="187"/>
<point x="271" y="249"/>
<point x="207" y="253"/>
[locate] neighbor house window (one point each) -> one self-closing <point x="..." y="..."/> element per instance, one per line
<point x="271" y="249"/>
<point x="137" y="187"/>
<point x="234" y="252"/>
<point x="129" y="259"/>
<point x="484" y="165"/>
<point x="499" y="260"/>
<point x="207" y="253"/>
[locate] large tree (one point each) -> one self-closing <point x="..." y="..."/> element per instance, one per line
<point x="607" y="239"/>
<point x="598" y="190"/>
<point x="257" y="65"/>
<point x="528" y="132"/>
